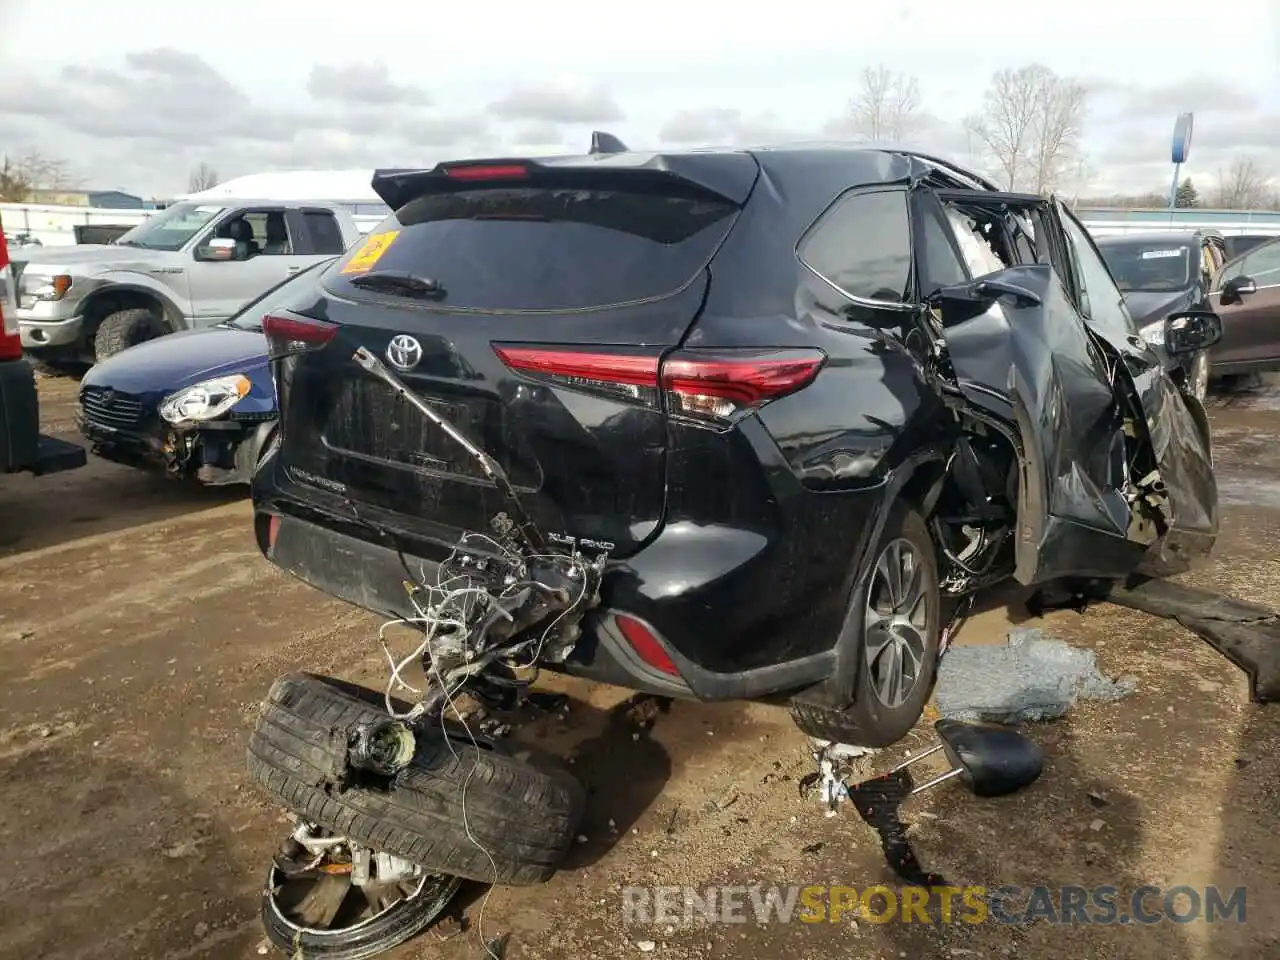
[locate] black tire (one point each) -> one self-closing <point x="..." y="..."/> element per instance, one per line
<point x="401" y="923"/>
<point x="868" y="721"/>
<point x="522" y="817"/>
<point x="126" y="328"/>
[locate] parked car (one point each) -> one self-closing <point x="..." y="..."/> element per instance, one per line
<point x="22" y="446"/>
<point x="805" y="398"/>
<point x="191" y="265"/>
<point x="1164" y="273"/>
<point x="198" y="403"/>
<point x="1246" y="296"/>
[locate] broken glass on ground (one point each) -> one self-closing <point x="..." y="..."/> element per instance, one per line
<point x="1029" y="678"/>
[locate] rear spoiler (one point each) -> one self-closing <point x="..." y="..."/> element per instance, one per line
<point x="727" y="176"/>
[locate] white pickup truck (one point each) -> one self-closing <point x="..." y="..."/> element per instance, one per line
<point x="193" y="264"/>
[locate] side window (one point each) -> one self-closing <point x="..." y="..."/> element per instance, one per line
<point x="977" y="253"/>
<point x="1262" y="265"/>
<point x="257" y="232"/>
<point x="1101" y="301"/>
<point x="270" y="232"/>
<point x="326" y="237"/>
<point x="862" y="246"/>
<point x="942" y="265"/>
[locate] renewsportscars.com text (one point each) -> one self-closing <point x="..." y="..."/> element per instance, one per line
<point x="821" y="903"/>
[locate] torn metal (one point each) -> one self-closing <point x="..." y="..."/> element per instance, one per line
<point x="1247" y="634"/>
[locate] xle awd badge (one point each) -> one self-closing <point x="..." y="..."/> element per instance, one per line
<point x="404" y="352"/>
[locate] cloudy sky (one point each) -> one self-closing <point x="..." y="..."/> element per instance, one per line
<point x="134" y="93"/>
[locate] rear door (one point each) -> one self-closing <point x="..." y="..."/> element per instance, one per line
<point x="1251" y="325"/>
<point x="555" y="296"/>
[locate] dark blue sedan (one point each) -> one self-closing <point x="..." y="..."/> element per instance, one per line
<point x="200" y="402"/>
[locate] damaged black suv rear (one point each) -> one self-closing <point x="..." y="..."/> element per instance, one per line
<point x="799" y="402"/>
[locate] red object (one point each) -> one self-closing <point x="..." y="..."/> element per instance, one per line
<point x="744" y="378"/>
<point x="747" y="381"/>
<point x="604" y="367"/>
<point x="487" y="171"/>
<point x="10" y="339"/>
<point x="288" y="335"/>
<point x="644" y="643"/>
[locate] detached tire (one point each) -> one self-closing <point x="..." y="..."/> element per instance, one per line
<point x="125" y="328"/>
<point x="483" y="815"/>
<point x="870" y="721"/>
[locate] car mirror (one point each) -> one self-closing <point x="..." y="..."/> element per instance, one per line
<point x="217" y="249"/>
<point x="1190" y="331"/>
<point x="997" y="286"/>
<point x="1237" y="288"/>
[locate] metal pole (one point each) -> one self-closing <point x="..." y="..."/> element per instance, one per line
<point x="1173" y="189"/>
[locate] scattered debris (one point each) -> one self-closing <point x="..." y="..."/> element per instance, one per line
<point x="726" y="799"/>
<point x="1098" y="799"/>
<point x="1097" y="825"/>
<point x="813" y="847"/>
<point x="496" y="949"/>
<point x="548" y="702"/>
<point x="202" y="930"/>
<point x="582" y="838"/>
<point x="646" y="946"/>
<point x="1031" y="677"/>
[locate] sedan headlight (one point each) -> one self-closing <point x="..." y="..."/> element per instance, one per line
<point x="38" y="287"/>
<point x="204" y="401"/>
<point x="1153" y="333"/>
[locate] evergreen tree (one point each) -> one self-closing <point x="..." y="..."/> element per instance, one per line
<point x="1186" y="195"/>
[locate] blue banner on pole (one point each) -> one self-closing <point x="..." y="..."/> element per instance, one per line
<point x="1182" y="138"/>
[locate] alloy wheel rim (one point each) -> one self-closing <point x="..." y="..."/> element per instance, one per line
<point x="896" y="625"/>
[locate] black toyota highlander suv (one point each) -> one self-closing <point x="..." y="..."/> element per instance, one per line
<point x="808" y="397"/>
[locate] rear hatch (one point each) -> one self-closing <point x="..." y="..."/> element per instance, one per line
<point x="530" y="304"/>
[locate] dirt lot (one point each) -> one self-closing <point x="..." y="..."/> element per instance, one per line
<point x="139" y="627"/>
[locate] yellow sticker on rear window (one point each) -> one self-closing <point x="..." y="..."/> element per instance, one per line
<point x="370" y="252"/>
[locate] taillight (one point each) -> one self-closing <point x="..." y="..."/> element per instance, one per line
<point x="711" y="387"/>
<point x="10" y="339"/>
<point x="486" y="171"/>
<point x="720" y="386"/>
<point x="290" y="335"/>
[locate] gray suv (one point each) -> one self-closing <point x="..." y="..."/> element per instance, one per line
<point x="193" y="264"/>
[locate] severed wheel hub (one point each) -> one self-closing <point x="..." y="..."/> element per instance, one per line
<point x="325" y="885"/>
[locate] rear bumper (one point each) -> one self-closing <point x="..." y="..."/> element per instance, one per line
<point x="681" y="587"/>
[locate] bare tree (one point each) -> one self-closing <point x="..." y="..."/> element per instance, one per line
<point x="202" y="177"/>
<point x="1244" y="186"/>
<point x="23" y="174"/>
<point x="886" y="106"/>
<point x="1030" y="126"/>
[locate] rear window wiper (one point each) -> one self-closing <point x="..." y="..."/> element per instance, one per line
<point x="399" y="281"/>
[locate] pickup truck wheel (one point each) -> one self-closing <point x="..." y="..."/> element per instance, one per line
<point x="898" y="655"/>
<point x="476" y="812"/>
<point x="125" y="328"/>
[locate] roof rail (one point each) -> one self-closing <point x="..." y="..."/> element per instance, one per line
<point x="602" y="142"/>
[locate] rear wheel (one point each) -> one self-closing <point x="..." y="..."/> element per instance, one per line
<point x="901" y="626"/>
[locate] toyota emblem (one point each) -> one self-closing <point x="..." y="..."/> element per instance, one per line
<point x="404" y="352"/>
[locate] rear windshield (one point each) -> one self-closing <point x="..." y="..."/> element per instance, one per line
<point x="542" y="248"/>
<point x="1150" y="267"/>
